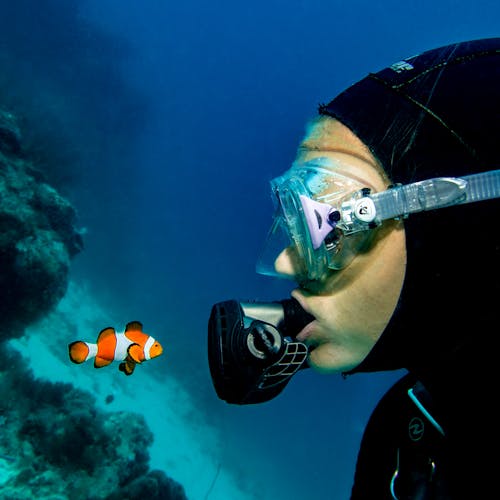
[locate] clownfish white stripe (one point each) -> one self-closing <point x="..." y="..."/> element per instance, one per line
<point x="122" y="345"/>
<point x="92" y="350"/>
<point x="147" y="347"/>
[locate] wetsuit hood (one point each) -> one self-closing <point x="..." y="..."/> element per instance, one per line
<point x="436" y="114"/>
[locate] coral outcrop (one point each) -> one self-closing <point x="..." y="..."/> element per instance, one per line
<point x="38" y="237"/>
<point x="55" y="443"/>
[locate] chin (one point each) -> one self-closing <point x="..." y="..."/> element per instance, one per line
<point x="321" y="361"/>
<point x="325" y="359"/>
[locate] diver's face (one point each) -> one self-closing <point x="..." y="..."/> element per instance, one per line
<point x="352" y="306"/>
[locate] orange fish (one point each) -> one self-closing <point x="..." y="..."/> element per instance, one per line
<point x="131" y="347"/>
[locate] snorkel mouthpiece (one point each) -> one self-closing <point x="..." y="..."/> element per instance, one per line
<point x="252" y="353"/>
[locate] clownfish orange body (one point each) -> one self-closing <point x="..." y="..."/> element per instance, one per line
<point x="131" y="347"/>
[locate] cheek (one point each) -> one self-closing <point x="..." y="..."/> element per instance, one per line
<point x="353" y="313"/>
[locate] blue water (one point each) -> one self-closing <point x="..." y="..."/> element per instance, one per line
<point x="172" y="184"/>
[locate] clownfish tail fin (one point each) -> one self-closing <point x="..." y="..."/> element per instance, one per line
<point x="79" y="351"/>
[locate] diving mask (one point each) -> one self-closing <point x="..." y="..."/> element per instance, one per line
<point x="310" y="220"/>
<point x="325" y="218"/>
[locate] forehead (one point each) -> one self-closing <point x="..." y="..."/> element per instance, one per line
<point x="327" y="137"/>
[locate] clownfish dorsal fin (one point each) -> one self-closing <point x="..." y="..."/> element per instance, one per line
<point x="135" y="353"/>
<point x="106" y="332"/>
<point x="134" y="326"/>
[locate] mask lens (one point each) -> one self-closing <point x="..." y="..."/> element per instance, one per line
<point x="278" y="247"/>
<point x="288" y="251"/>
<point x="291" y="248"/>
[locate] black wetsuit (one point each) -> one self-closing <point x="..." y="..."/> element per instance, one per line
<point x="436" y="114"/>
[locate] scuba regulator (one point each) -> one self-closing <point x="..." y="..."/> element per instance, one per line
<point x="252" y="350"/>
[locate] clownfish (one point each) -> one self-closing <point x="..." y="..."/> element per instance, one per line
<point x="131" y="347"/>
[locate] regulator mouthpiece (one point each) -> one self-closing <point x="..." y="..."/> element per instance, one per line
<point x="252" y="353"/>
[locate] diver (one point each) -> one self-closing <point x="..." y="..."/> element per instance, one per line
<point x="388" y="222"/>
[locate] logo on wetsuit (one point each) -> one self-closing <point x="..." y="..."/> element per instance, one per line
<point x="416" y="429"/>
<point x="401" y="66"/>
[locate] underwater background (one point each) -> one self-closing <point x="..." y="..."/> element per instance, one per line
<point x="137" y="141"/>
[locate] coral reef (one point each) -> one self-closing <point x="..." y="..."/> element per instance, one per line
<point x="55" y="443"/>
<point x="38" y="236"/>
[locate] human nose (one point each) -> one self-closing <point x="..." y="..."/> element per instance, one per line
<point x="288" y="265"/>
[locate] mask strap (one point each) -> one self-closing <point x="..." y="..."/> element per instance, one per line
<point x="430" y="194"/>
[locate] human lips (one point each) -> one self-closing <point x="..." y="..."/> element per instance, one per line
<point x="306" y="332"/>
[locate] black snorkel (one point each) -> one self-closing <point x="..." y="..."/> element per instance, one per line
<point x="252" y="351"/>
